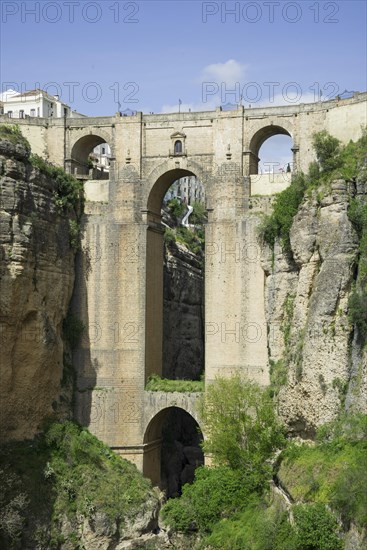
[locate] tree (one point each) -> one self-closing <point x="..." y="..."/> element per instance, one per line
<point x="327" y="150"/>
<point x="241" y="425"/>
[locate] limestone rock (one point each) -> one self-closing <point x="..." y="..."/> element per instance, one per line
<point x="307" y="314"/>
<point x="37" y="276"/>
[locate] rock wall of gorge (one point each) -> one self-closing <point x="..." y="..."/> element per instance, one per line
<point x="317" y="357"/>
<point x="36" y="277"/>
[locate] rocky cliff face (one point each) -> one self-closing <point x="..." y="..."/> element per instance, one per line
<point x="183" y="342"/>
<point x="316" y="356"/>
<point x="37" y="276"/>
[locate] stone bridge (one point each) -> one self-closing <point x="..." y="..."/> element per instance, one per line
<point x="119" y="281"/>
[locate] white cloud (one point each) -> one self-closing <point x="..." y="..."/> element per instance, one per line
<point x="229" y="72"/>
<point x="214" y="80"/>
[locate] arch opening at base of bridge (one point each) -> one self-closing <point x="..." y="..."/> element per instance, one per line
<point x="157" y="325"/>
<point x="90" y="158"/>
<point x="172" y="451"/>
<point x="258" y="140"/>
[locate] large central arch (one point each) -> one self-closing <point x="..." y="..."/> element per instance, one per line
<point x="154" y="270"/>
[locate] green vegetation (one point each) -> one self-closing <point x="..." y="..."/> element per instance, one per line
<point x="193" y="237"/>
<point x="193" y="240"/>
<point x="286" y="204"/>
<point x="327" y="150"/>
<point x="156" y="383"/>
<point x="177" y="210"/>
<point x="13" y="134"/>
<point x="229" y="505"/>
<point x="288" y="309"/>
<point x="198" y="215"/>
<point x="260" y="527"/>
<point x="67" y="473"/>
<point x="357" y="213"/>
<point x="334" y="161"/>
<point x="216" y="493"/>
<point x="278" y="376"/>
<point x="68" y="192"/>
<point x="242" y="433"/>
<point x="333" y="472"/>
<point x="241" y="426"/>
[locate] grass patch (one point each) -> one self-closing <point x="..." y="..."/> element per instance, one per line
<point x="156" y="383"/>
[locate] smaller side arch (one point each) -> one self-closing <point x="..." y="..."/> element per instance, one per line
<point x="82" y="146"/>
<point x="257" y="141"/>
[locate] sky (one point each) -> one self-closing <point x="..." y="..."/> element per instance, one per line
<point x="151" y="56"/>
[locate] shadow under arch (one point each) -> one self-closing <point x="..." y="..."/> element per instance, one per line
<point x="80" y="151"/>
<point x="259" y="138"/>
<point x="172" y="442"/>
<point x="161" y="181"/>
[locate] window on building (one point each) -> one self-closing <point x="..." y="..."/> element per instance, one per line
<point x="33" y="112"/>
<point x="178" y="147"/>
<point x="103" y="150"/>
<point x="10" y="114"/>
<point x="21" y="114"/>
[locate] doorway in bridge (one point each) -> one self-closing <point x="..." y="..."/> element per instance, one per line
<point x="182" y="215"/>
<point x="91" y="158"/>
<point x="173" y="450"/>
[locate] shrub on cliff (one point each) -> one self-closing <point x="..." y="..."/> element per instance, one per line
<point x="327" y="149"/>
<point x="68" y="191"/>
<point x="65" y="474"/>
<point x="286" y="204"/>
<point x="14" y="134"/>
<point x="241" y="425"/>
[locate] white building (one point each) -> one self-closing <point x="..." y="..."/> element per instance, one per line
<point x="102" y="155"/>
<point x="189" y="189"/>
<point x="35" y="103"/>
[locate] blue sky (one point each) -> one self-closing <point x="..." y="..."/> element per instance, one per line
<point x="147" y="55"/>
<point x="150" y="54"/>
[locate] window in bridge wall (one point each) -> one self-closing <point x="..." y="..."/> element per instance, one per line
<point x="178" y="147"/>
